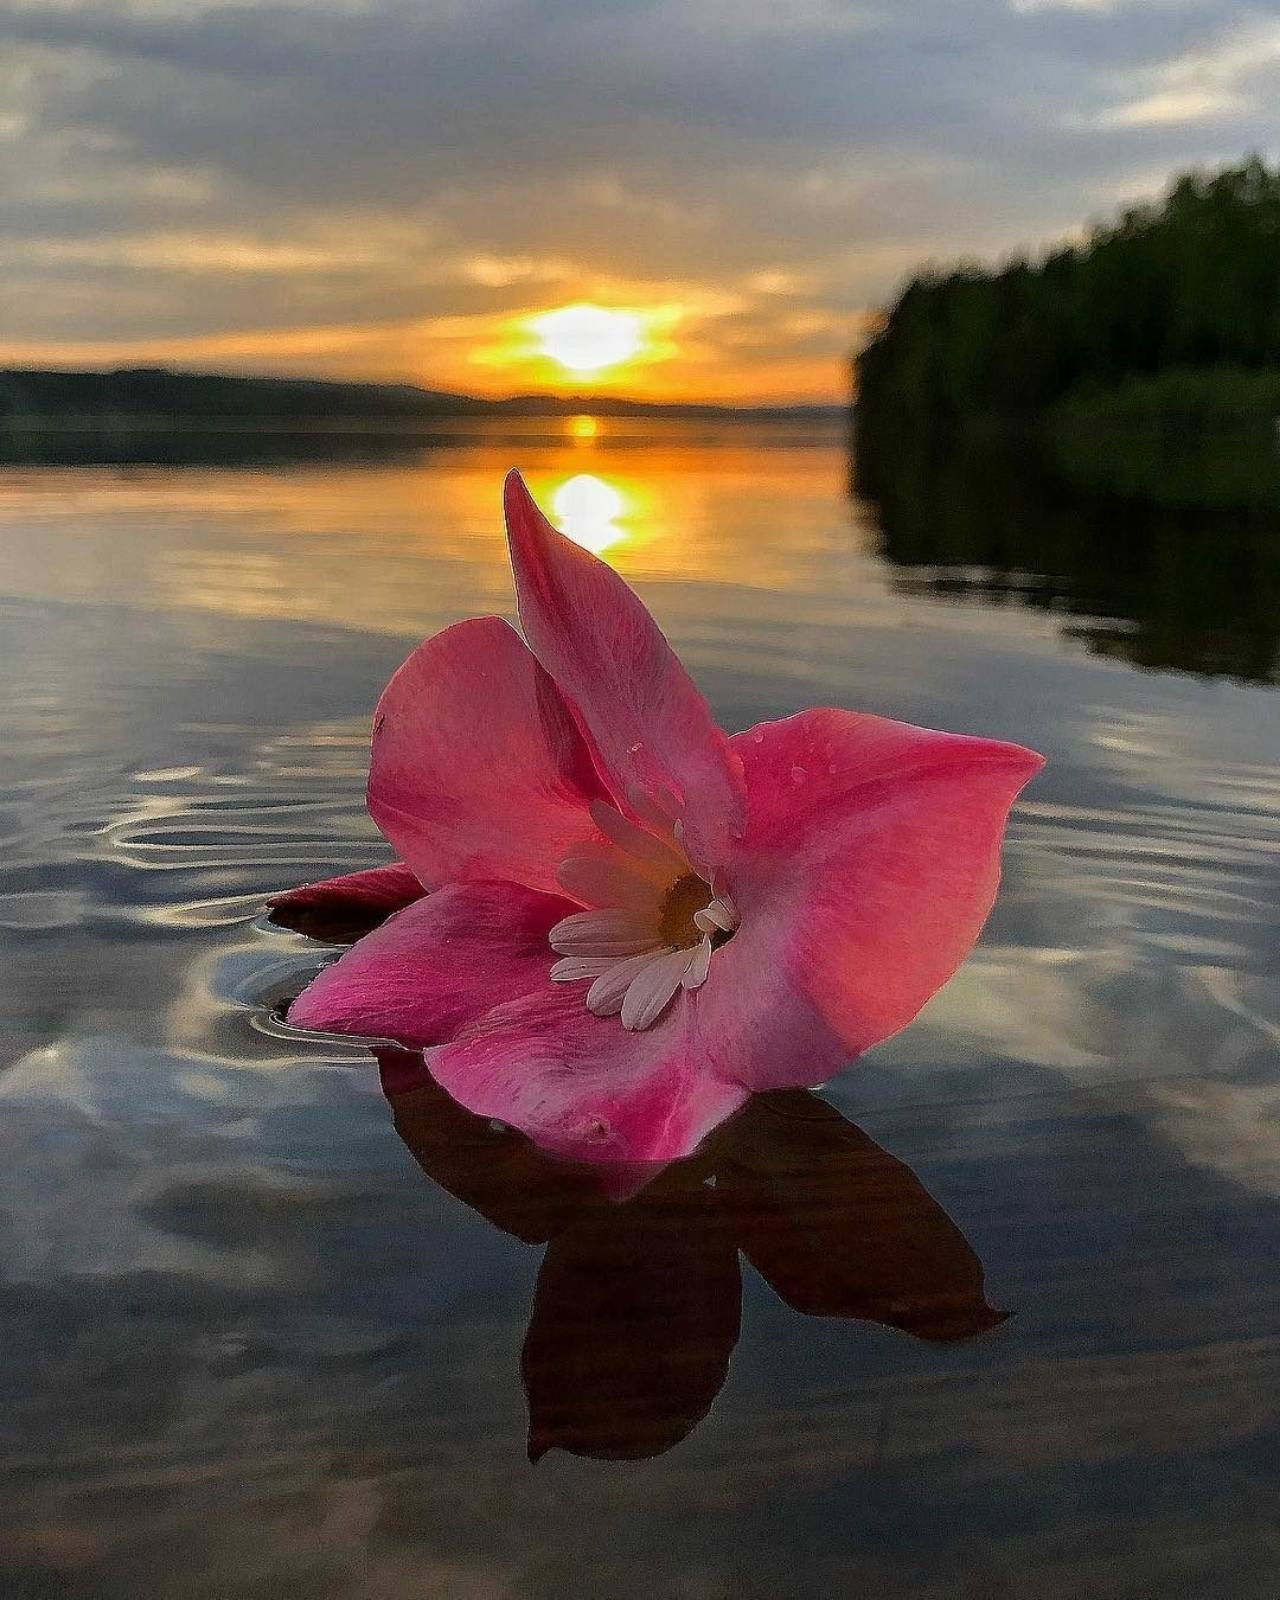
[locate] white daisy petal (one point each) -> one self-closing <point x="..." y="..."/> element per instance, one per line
<point x="606" y="994"/>
<point x="603" y="880"/>
<point x="654" y="854"/>
<point x="571" y="969"/>
<point x="657" y="810"/>
<point x="695" y="974"/>
<point x="603" y="933"/>
<point x="652" y="988"/>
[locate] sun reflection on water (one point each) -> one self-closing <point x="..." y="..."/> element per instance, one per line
<point x="408" y="545"/>
<point x="586" y="508"/>
<point x="583" y="429"/>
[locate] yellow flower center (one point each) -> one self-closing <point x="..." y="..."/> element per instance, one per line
<point x="676" y="926"/>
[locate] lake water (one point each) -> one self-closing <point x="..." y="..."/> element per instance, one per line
<point x="258" y="1343"/>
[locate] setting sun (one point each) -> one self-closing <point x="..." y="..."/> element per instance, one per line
<point x="587" y="338"/>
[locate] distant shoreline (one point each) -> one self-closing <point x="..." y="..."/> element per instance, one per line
<point x="155" y="399"/>
<point x="379" y="427"/>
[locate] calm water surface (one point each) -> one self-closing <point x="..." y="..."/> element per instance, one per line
<point x="258" y="1340"/>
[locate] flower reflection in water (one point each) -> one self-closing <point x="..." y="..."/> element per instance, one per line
<point x="637" y="1306"/>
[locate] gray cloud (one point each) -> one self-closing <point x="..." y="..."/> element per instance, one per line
<point x="178" y="167"/>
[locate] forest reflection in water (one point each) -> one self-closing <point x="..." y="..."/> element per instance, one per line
<point x="638" y="1304"/>
<point x="1160" y="552"/>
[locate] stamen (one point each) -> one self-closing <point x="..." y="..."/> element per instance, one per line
<point x="677" y="919"/>
<point x="656" y="925"/>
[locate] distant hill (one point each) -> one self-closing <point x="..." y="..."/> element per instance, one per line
<point x="155" y="397"/>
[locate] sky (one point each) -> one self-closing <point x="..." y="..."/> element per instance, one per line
<point x="732" y="189"/>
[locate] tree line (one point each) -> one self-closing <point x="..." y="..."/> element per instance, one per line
<point x="1171" y="312"/>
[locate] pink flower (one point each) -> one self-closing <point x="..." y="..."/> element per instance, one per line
<point x="638" y="921"/>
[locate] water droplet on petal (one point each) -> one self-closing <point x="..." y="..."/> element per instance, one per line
<point x="757" y="737"/>
<point x="797" y="774"/>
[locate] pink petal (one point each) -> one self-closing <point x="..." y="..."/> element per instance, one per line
<point x="870" y="863"/>
<point x="647" y="724"/>
<point x="581" y="1086"/>
<point x="340" y="910"/>
<point x="478" y="770"/>
<point x="437" y="966"/>
<point x="494" y="1170"/>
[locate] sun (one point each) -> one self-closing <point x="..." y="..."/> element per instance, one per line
<point x="587" y="338"/>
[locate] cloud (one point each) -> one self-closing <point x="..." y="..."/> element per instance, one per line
<point x="1095" y="7"/>
<point x="176" y="170"/>
<point x="237" y="255"/>
<point x="1215" y="79"/>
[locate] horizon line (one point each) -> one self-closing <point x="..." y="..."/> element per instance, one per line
<point x="582" y="403"/>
